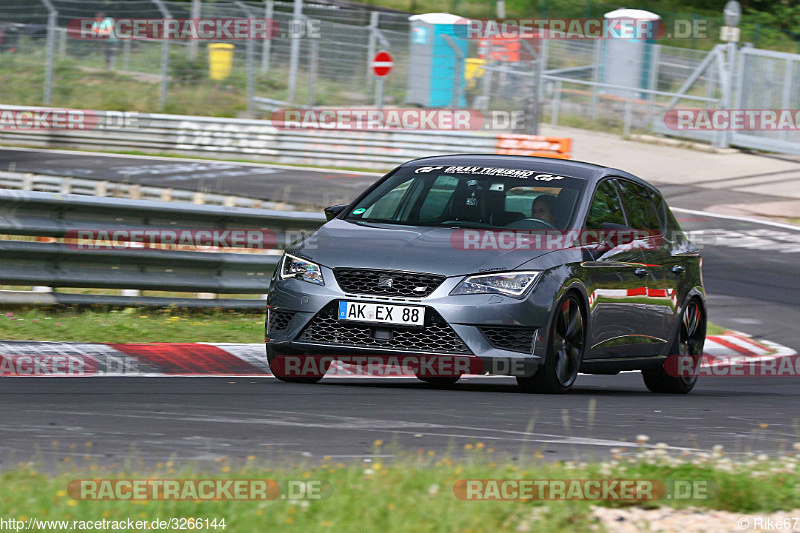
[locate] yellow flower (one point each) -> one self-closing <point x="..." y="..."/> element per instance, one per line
<point x="379" y="443"/>
<point x="431" y="452"/>
<point x="251" y="457"/>
<point x="468" y="446"/>
<point x="226" y="469"/>
<point x="390" y="505"/>
<point x="106" y="514"/>
<point x="289" y="520"/>
<point x="72" y="503"/>
<point x="88" y="444"/>
<point x="377" y="466"/>
<point x="763" y="426"/>
<point x="326" y="523"/>
<point x="480" y="445"/>
<point x="61" y="493"/>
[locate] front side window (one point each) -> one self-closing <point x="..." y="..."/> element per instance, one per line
<point x="605" y="208"/>
<point x="639" y="208"/>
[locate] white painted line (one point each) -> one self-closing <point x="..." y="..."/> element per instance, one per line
<point x="793" y="227"/>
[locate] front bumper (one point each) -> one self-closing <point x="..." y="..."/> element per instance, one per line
<point x="499" y="335"/>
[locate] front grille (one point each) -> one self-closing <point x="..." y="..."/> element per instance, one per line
<point x="387" y="282"/>
<point x="278" y="320"/>
<point x="512" y="339"/>
<point x="436" y="337"/>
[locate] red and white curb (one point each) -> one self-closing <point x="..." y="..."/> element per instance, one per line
<point x="32" y="358"/>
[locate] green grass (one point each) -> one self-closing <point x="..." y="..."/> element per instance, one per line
<point x="141" y="325"/>
<point x="132" y="325"/>
<point x="413" y="492"/>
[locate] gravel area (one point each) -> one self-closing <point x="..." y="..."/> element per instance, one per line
<point x="668" y="520"/>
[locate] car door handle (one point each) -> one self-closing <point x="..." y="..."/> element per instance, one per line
<point x="678" y="269"/>
<point x="641" y="272"/>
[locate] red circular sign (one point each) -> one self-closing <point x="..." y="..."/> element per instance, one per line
<point x="382" y="63"/>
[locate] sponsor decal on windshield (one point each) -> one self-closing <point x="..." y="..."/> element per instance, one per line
<point x="495" y="171"/>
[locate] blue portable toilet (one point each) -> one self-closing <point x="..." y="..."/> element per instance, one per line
<point x="628" y="61"/>
<point x="435" y="70"/>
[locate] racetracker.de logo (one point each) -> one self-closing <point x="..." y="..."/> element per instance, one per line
<point x="630" y="490"/>
<point x="578" y="29"/>
<point x="124" y="239"/>
<point x="503" y="240"/>
<point x="732" y="119"/>
<point x="198" y="489"/>
<point x="393" y="119"/>
<point x="174" y="29"/>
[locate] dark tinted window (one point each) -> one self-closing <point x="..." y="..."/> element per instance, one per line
<point x="639" y="208"/>
<point x="471" y="196"/>
<point x="605" y="207"/>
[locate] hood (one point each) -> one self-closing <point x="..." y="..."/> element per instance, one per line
<point x="434" y="250"/>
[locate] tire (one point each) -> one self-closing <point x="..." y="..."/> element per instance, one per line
<point x="439" y="380"/>
<point x="566" y="341"/>
<point x="277" y="369"/>
<point x="688" y="341"/>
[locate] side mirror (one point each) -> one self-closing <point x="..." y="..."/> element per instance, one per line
<point x="332" y="211"/>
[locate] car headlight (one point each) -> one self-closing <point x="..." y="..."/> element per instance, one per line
<point x="294" y="267"/>
<point x="514" y="284"/>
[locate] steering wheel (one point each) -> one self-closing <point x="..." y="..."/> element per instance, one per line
<point x="526" y="222"/>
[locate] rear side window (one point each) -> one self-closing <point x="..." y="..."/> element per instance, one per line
<point x="639" y="208"/>
<point x="605" y="207"/>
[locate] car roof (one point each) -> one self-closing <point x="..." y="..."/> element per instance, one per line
<point x="576" y="169"/>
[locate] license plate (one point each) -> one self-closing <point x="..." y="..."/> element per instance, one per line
<point x="404" y="315"/>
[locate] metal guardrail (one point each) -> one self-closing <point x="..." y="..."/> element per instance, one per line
<point x="226" y="138"/>
<point x="28" y="181"/>
<point x="59" y="264"/>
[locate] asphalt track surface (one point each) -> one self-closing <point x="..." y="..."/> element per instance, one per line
<point x="750" y="271"/>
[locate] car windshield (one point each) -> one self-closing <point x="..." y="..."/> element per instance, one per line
<point x="473" y="197"/>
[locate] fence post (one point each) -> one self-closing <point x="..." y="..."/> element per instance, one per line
<point x="458" y="74"/>
<point x="598" y="51"/>
<point x="297" y="15"/>
<point x="313" y="62"/>
<point x="556" y="105"/>
<point x="250" y="59"/>
<point x="52" y="28"/>
<point x="655" y="57"/>
<point x="266" y="47"/>
<point x="162" y="96"/>
<point x="196" y="14"/>
<point x="626" y="127"/>
<point x="373" y="27"/>
<point x="126" y="54"/>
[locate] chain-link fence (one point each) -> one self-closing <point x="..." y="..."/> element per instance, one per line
<point x="320" y="56"/>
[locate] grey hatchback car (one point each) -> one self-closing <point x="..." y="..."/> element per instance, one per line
<point x="486" y="264"/>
